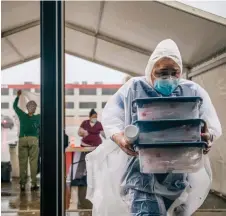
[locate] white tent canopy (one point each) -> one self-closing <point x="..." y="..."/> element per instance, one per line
<point x="119" y="35"/>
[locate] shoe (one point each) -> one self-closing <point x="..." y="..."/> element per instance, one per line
<point x="22" y="188"/>
<point x="34" y="187"/>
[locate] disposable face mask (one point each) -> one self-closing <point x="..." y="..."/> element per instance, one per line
<point x="166" y="86"/>
<point x="93" y="120"/>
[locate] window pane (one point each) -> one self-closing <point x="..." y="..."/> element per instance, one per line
<point x="109" y="91"/>
<point x="5" y="91"/>
<point x="103" y="104"/>
<point x="69" y="105"/>
<point x="5" y="105"/>
<point x="88" y="91"/>
<point x="87" y="105"/>
<point x="37" y="90"/>
<point x="27" y="90"/>
<point x="15" y="91"/>
<point x="69" y="91"/>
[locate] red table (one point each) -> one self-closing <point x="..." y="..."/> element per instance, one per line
<point x="69" y="155"/>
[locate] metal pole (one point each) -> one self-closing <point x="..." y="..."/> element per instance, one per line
<point x="52" y="108"/>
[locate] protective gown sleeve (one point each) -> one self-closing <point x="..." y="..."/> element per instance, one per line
<point x="208" y="114"/>
<point x="113" y="115"/>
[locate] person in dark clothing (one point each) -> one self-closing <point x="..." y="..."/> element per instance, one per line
<point x="28" y="142"/>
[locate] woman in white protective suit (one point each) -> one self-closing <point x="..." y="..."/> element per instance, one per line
<point x="115" y="184"/>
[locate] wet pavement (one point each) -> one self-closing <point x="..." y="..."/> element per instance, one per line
<point x="14" y="203"/>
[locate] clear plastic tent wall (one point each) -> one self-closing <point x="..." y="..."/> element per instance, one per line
<point x="214" y="82"/>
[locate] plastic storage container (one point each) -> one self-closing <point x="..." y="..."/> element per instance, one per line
<point x="167" y="108"/>
<point x="162" y="131"/>
<point x="177" y="159"/>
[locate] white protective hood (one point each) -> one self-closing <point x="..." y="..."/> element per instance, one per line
<point x="105" y="165"/>
<point x="166" y="48"/>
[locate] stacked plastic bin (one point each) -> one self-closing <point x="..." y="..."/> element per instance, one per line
<point x="169" y="137"/>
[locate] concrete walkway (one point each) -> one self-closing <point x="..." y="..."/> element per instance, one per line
<point x="15" y="203"/>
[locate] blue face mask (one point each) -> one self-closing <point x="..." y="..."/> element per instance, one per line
<point x="93" y="120"/>
<point x="166" y="86"/>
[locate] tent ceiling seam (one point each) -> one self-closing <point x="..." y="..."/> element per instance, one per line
<point x="101" y="11"/>
<point x="10" y="43"/>
<point x="81" y="30"/>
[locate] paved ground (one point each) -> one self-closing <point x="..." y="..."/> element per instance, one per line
<point x="28" y="204"/>
<point x="14" y="203"/>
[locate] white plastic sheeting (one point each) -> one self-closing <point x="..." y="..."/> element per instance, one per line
<point x="214" y="82"/>
<point x="100" y="164"/>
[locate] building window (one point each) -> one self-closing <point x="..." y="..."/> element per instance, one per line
<point x="5" y="91"/>
<point x="109" y="91"/>
<point x="103" y="104"/>
<point x="69" y="105"/>
<point x="69" y="91"/>
<point x="25" y="90"/>
<point x="5" y="105"/>
<point x="90" y="91"/>
<point x="15" y="91"/>
<point x="37" y="90"/>
<point x="87" y="105"/>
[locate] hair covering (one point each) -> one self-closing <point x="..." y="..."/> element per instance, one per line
<point x="92" y="112"/>
<point x="31" y="106"/>
<point x="166" y="48"/>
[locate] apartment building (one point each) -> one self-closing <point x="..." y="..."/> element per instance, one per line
<point x="79" y="98"/>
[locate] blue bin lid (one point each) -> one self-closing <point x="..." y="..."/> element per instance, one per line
<point x="142" y="101"/>
<point x="158" y="125"/>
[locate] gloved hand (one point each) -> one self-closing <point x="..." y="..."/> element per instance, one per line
<point x="206" y="137"/>
<point x="124" y="144"/>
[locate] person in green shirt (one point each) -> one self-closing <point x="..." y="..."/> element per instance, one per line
<point x="28" y="142"/>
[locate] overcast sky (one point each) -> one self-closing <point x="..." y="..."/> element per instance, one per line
<point x="78" y="70"/>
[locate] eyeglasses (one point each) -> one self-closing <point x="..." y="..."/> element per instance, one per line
<point x="167" y="72"/>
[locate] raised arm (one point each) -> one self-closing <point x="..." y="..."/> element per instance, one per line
<point x="18" y="111"/>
